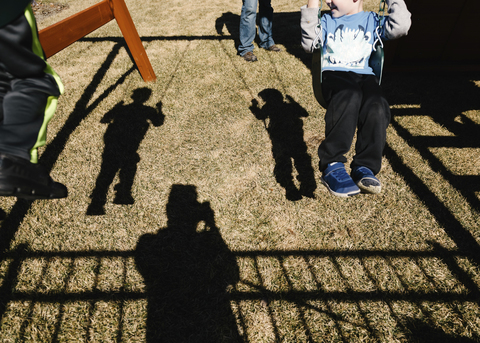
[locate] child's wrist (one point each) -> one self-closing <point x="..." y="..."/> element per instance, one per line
<point x="312" y="4"/>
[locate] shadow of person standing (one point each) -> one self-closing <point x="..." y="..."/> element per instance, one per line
<point x="188" y="269"/>
<point x="232" y="23"/>
<point x="127" y="127"/>
<point x="285" y="129"/>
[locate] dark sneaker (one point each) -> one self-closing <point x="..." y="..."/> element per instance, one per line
<point x="273" y="48"/>
<point x="365" y="180"/>
<point x="249" y="57"/>
<point x="338" y="182"/>
<point x="22" y="179"/>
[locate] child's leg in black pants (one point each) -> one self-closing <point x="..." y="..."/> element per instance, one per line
<point x="354" y="101"/>
<point x="23" y="103"/>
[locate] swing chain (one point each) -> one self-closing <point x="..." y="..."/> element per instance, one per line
<point x="317" y="43"/>
<point x="381" y="13"/>
<point x="320" y="11"/>
<point x="378" y="30"/>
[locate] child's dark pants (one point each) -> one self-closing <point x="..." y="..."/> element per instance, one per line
<point x="355" y="101"/>
<point x="28" y="88"/>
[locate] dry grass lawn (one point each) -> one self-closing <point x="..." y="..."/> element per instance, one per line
<point x="196" y="211"/>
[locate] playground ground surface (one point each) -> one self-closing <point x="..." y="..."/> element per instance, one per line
<point x="196" y="212"/>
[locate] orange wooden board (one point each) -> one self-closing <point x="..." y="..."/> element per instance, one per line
<point x="66" y="32"/>
<point x="60" y="35"/>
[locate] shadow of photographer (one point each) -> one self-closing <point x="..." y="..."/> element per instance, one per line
<point x="285" y="129"/>
<point x="188" y="270"/>
<point x="127" y="127"/>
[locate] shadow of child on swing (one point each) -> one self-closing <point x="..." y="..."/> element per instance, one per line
<point x="127" y="127"/>
<point x="285" y="129"/>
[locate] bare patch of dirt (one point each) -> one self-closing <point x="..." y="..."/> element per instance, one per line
<point x="44" y="9"/>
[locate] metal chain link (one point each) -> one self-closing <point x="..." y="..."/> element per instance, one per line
<point x="318" y="40"/>
<point x="381" y="12"/>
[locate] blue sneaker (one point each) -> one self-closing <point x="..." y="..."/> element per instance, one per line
<point x="365" y="180"/>
<point x="338" y="182"/>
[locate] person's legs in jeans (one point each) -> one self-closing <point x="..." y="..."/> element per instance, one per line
<point x="265" y="24"/>
<point x="247" y="26"/>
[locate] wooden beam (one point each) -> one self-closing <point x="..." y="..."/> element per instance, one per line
<point x="66" y="32"/>
<point x="60" y="35"/>
<point x="125" y="22"/>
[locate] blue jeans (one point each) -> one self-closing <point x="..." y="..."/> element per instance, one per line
<point x="248" y="25"/>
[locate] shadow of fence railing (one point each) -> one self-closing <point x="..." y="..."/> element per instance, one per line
<point x="438" y="127"/>
<point x="311" y="295"/>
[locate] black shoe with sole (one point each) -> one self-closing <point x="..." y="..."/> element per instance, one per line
<point x="22" y="179"/>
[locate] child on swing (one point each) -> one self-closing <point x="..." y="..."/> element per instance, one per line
<point x="29" y="89"/>
<point x="355" y="101"/>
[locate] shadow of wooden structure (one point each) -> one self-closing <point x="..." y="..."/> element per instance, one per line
<point x="444" y="37"/>
<point x="60" y="35"/>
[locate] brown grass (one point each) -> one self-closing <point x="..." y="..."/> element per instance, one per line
<point x="211" y="249"/>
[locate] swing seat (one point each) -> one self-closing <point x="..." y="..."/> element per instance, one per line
<point x="376" y="63"/>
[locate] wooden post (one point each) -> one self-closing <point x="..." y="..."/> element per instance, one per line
<point x="125" y="22"/>
<point x="66" y="32"/>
